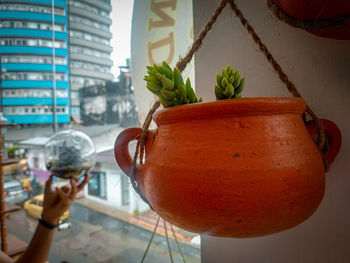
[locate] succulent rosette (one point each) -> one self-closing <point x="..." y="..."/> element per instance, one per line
<point x="229" y="84"/>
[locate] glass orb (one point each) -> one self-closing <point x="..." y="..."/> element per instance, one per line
<point x="69" y="154"/>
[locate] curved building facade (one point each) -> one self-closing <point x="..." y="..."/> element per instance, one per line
<point x="76" y="41"/>
<point x="34" y="61"/>
<point x="90" y="50"/>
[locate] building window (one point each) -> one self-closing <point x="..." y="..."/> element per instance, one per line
<point x="31" y="8"/>
<point x="90" y="66"/>
<point x="82" y="81"/>
<point x="32" y="42"/>
<point x="59" y="76"/>
<point x="89" y="52"/>
<point x="89" y="22"/>
<point x="36" y="162"/>
<point x="97" y="185"/>
<point x="34" y="110"/>
<point x="89" y="8"/>
<point x="33" y="59"/>
<point x="89" y="37"/>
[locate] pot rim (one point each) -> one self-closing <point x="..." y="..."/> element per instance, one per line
<point x="232" y="107"/>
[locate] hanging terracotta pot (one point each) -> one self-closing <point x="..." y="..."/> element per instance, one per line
<point x="316" y="10"/>
<point x="232" y="168"/>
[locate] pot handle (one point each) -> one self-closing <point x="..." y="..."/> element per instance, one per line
<point x="121" y="147"/>
<point x="333" y="138"/>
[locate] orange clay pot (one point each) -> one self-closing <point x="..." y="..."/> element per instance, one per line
<point x="231" y="168"/>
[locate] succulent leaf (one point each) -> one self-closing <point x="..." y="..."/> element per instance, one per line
<point x="154" y="85"/>
<point x="167" y="83"/>
<point x="223" y="73"/>
<point x="184" y="99"/>
<point x="240" y="86"/>
<point x="190" y="92"/>
<point x="228" y="70"/>
<point x="188" y="88"/>
<point x="236" y="81"/>
<point x="155" y="91"/>
<point x="159" y="76"/>
<point x="229" y="91"/>
<point x="165" y="102"/>
<point x="168" y="94"/>
<point x="231" y="79"/>
<point x="224" y="82"/>
<point x="219" y="93"/>
<point x="166" y="66"/>
<point x="181" y="89"/>
<point x="168" y="73"/>
<point x="178" y="78"/>
<point x="218" y="79"/>
<point x="153" y="79"/>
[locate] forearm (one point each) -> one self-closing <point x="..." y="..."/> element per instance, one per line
<point x="39" y="247"/>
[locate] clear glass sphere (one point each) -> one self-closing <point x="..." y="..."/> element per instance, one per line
<point x="70" y="154"/>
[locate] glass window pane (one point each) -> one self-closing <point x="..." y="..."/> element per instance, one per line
<point x="89" y="98"/>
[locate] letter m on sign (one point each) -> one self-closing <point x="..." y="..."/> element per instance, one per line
<point x="157" y="7"/>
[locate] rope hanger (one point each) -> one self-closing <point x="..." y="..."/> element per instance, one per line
<point x="308" y="115"/>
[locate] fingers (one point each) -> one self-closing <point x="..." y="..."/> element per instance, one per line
<point x="83" y="183"/>
<point x="74" y="189"/>
<point x="48" y="185"/>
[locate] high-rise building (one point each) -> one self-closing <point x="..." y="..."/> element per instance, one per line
<point x="32" y="41"/>
<point x="90" y="49"/>
<point x="75" y="39"/>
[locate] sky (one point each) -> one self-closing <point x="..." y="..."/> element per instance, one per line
<point x="121" y="16"/>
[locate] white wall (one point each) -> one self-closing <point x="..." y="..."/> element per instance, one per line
<point x="320" y="68"/>
<point x="114" y="189"/>
<point x="39" y="153"/>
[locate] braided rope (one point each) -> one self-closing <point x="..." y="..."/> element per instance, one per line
<point x="140" y="150"/>
<point x="150" y="241"/>
<point x="182" y="63"/>
<point x="168" y="242"/>
<point x="315" y="24"/>
<point x="177" y="243"/>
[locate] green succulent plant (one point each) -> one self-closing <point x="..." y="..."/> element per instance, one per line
<point x="229" y="84"/>
<point x="169" y="86"/>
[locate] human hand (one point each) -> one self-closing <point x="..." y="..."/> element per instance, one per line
<point x="58" y="200"/>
